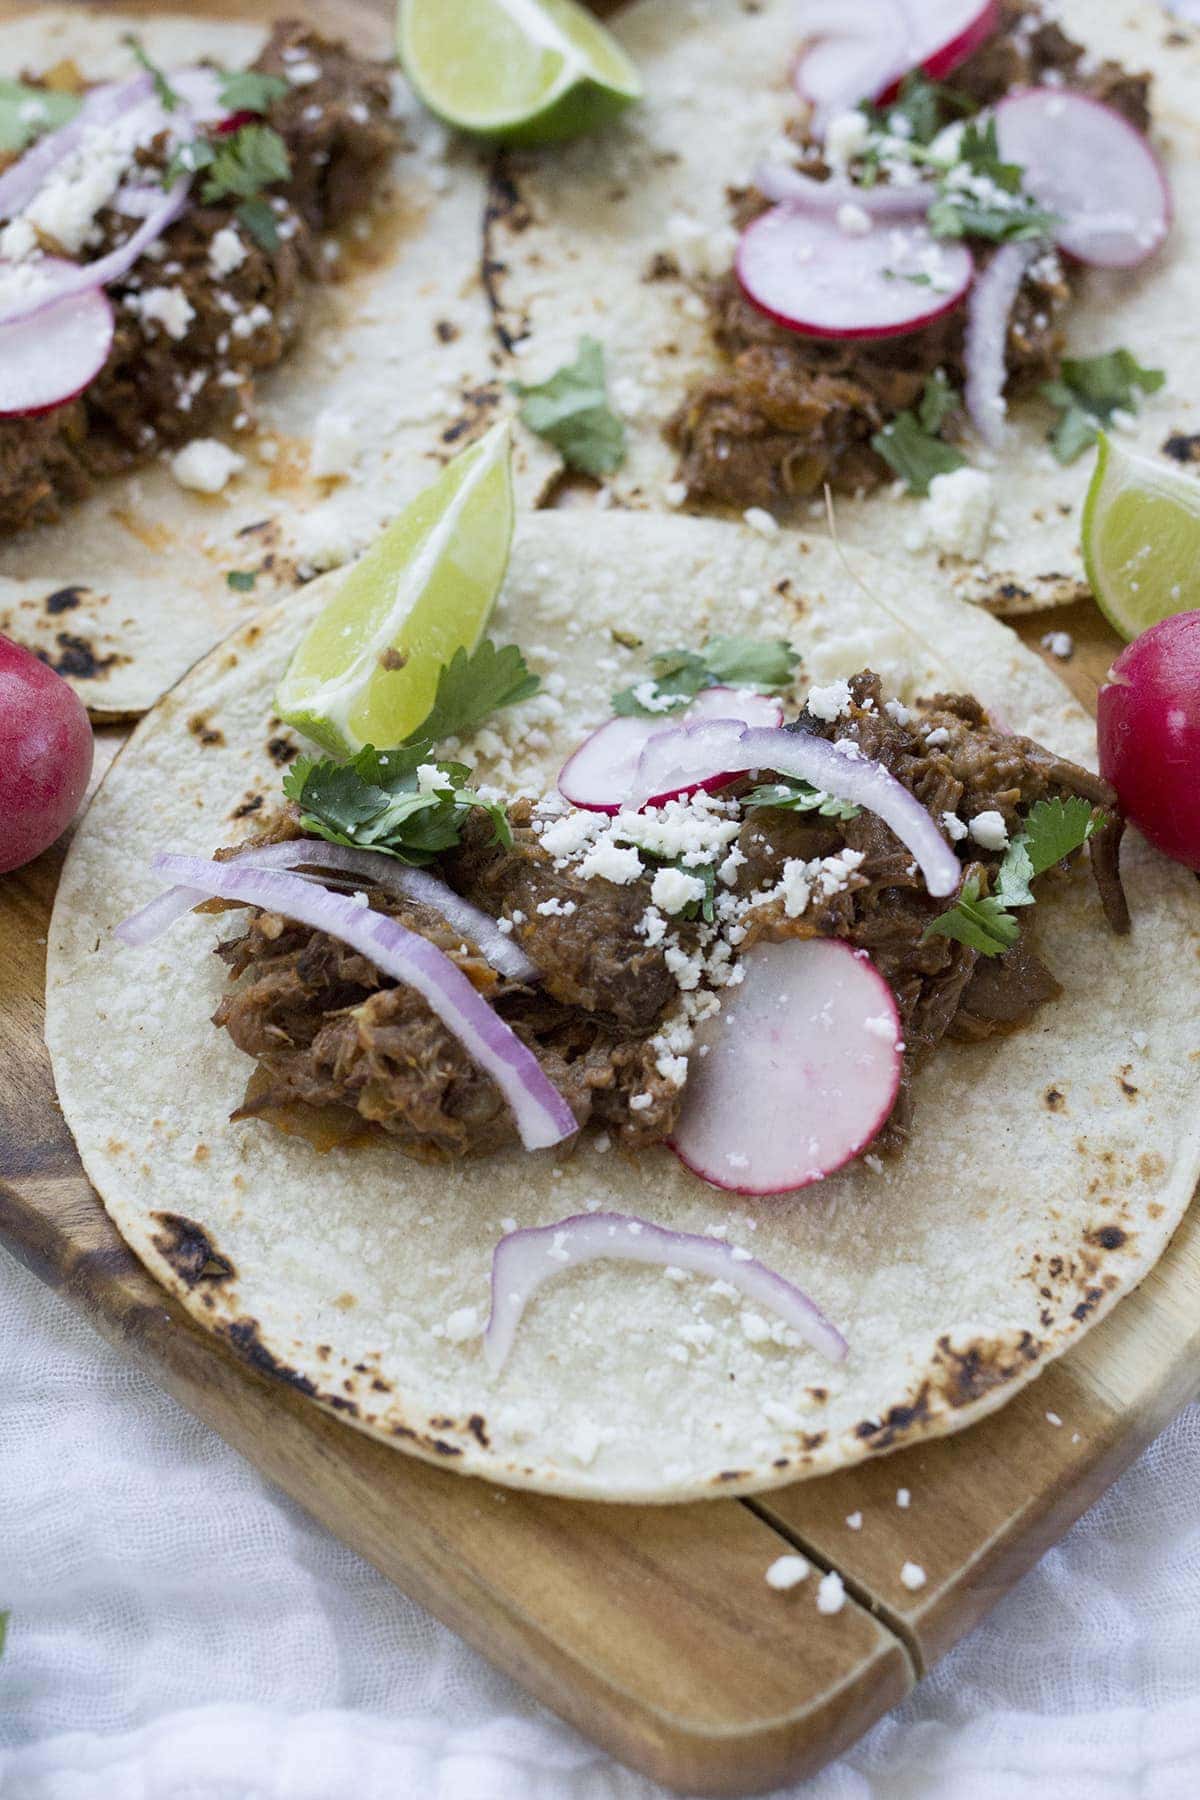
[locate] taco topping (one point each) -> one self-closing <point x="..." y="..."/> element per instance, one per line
<point x="194" y="204"/>
<point x="640" y="926"/>
<point x="846" y="344"/>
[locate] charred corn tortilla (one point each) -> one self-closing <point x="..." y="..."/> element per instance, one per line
<point x="656" y="184"/>
<point x="129" y="587"/>
<point x="1046" y="1174"/>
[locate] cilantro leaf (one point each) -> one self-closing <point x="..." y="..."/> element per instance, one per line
<point x="571" y="411"/>
<point x="923" y="105"/>
<point x="242" y="580"/>
<point x="793" y="795"/>
<point x="26" y="112"/>
<point x="196" y="154"/>
<point x="979" y="921"/>
<point x="914" y="452"/>
<point x="245" y="90"/>
<point x="385" y="800"/>
<point x="1089" y="391"/>
<point x="939" y="400"/>
<point x="473" y="685"/>
<point x="679" y="675"/>
<point x="167" y="97"/>
<point x="245" y="162"/>
<point x="1053" y="829"/>
<point x="982" y="195"/>
<point x="260" y="222"/>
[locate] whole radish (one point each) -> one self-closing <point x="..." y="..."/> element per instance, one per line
<point x="1149" y="732"/>
<point x="45" y="755"/>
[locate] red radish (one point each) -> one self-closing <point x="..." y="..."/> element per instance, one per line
<point x="1149" y="732"/>
<point x="857" y="52"/>
<point x="946" y="33"/>
<point x="50" y="356"/>
<point x="803" y="1068"/>
<point x="600" y="775"/>
<point x="1086" y="163"/>
<point x="45" y="755"/>
<point x="830" y="278"/>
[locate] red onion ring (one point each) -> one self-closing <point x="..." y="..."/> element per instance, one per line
<point x="100" y="107"/>
<point x="542" y="1116"/>
<point x="381" y="871"/>
<point x="989" y="307"/>
<point x="78" y="278"/>
<point x="883" y="201"/>
<point x="692" y="753"/>
<point x="523" y="1261"/>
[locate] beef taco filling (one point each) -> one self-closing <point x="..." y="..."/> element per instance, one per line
<point x="288" y="152"/>
<point x="789" y="410"/>
<point x="640" y="924"/>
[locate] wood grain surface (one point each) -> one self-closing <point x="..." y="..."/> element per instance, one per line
<point x="650" y="1629"/>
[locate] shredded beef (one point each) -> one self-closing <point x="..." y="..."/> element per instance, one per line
<point x="786" y="414"/>
<point x="157" y="392"/>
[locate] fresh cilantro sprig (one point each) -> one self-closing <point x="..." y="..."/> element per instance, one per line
<point x="238" y="166"/>
<point x="1053" y="830"/>
<point x="241" y="580"/>
<point x="791" y="795"/>
<point x="167" y="97"/>
<point x="911" y="444"/>
<point x="400" y="801"/>
<point x="1090" y="390"/>
<point x="924" y="105"/>
<point x="26" y="112"/>
<point x="245" y="90"/>
<point x="571" y="411"/>
<point x="473" y="685"/>
<point x="982" y="195"/>
<point x="679" y="675"/>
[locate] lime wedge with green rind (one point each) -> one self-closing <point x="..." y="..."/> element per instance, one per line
<point x="515" y="71"/>
<point x="366" y="670"/>
<point x="1141" y="539"/>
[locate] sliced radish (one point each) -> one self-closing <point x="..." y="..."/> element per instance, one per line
<point x="815" y="276"/>
<point x="601" y="775"/>
<point x="945" y="34"/>
<point x="50" y="356"/>
<point x="858" y="51"/>
<point x="802" y="1069"/>
<point x="1090" y="166"/>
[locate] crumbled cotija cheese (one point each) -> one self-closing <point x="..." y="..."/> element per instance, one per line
<point x="673" y="889"/>
<point x="831" y="1593"/>
<point x="226" y="252"/>
<point x="787" y="1572"/>
<point x="958" y="513"/>
<point x="989" y="830"/>
<point x="205" y="465"/>
<point x="165" y="306"/>
<point x="831" y="702"/>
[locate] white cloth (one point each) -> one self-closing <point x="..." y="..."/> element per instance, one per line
<point x="180" y="1631"/>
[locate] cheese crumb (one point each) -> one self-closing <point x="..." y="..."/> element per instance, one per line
<point x="760" y="520"/>
<point x="913" y="1576"/>
<point x="1059" y="643"/>
<point x="845" y="138"/>
<point x="853" y="221"/>
<point x="226" y="252"/>
<point x="787" y="1572"/>
<point x="989" y="830"/>
<point x="165" y="306"/>
<point x="956" y="831"/>
<point x="854" y="1521"/>
<point x="1053" y="1418"/>
<point x="611" y="862"/>
<point x="334" y="445"/>
<point x="462" y="1325"/>
<point x="903" y="1498"/>
<point x="958" y="513"/>
<point x="831" y="702"/>
<point x="206" y="465"/>
<point x="831" y="1593"/>
<point x="673" y="889"/>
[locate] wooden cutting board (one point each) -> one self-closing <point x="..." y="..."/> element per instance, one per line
<point x="650" y="1629"/>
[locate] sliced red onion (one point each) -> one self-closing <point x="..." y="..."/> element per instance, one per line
<point x="524" y="1261"/>
<point x="542" y="1115"/>
<point x="693" y="753"/>
<point x="101" y="106"/>
<point x="52" y="355"/>
<point x="886" y="200"/>
<point x="369" y="865"/>
<point x="599" y="776"/>
<point x="989" y="308"/>
<point x="859" y="51"/>
<point x="64" y="279"/>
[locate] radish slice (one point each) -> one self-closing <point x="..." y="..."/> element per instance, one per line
<point x="542" y="1115"/>
<point x="1087" y="164"/>
<point x="815" y="277"/>
<point x="860" y="50"/>
<point x="600" y="776"/>
<point x="885" y="200"/>
<point x="945" y="34"/>
<point x="803" y="1068"/>
<point x="986" y="341"/>
<point x="52" y="355"/>
<point x="691" y="753"/>
<point x="524" y="1261"/>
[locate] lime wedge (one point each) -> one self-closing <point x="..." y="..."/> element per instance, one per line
<point x="1141" y="539"/>
<point x="517" y="71"/>
<point x="366" y="670"/>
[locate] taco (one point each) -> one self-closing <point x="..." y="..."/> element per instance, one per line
<point x="272" y="327"/>
<point x="496" y="1134"/>
<point x="893" y="299"/>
